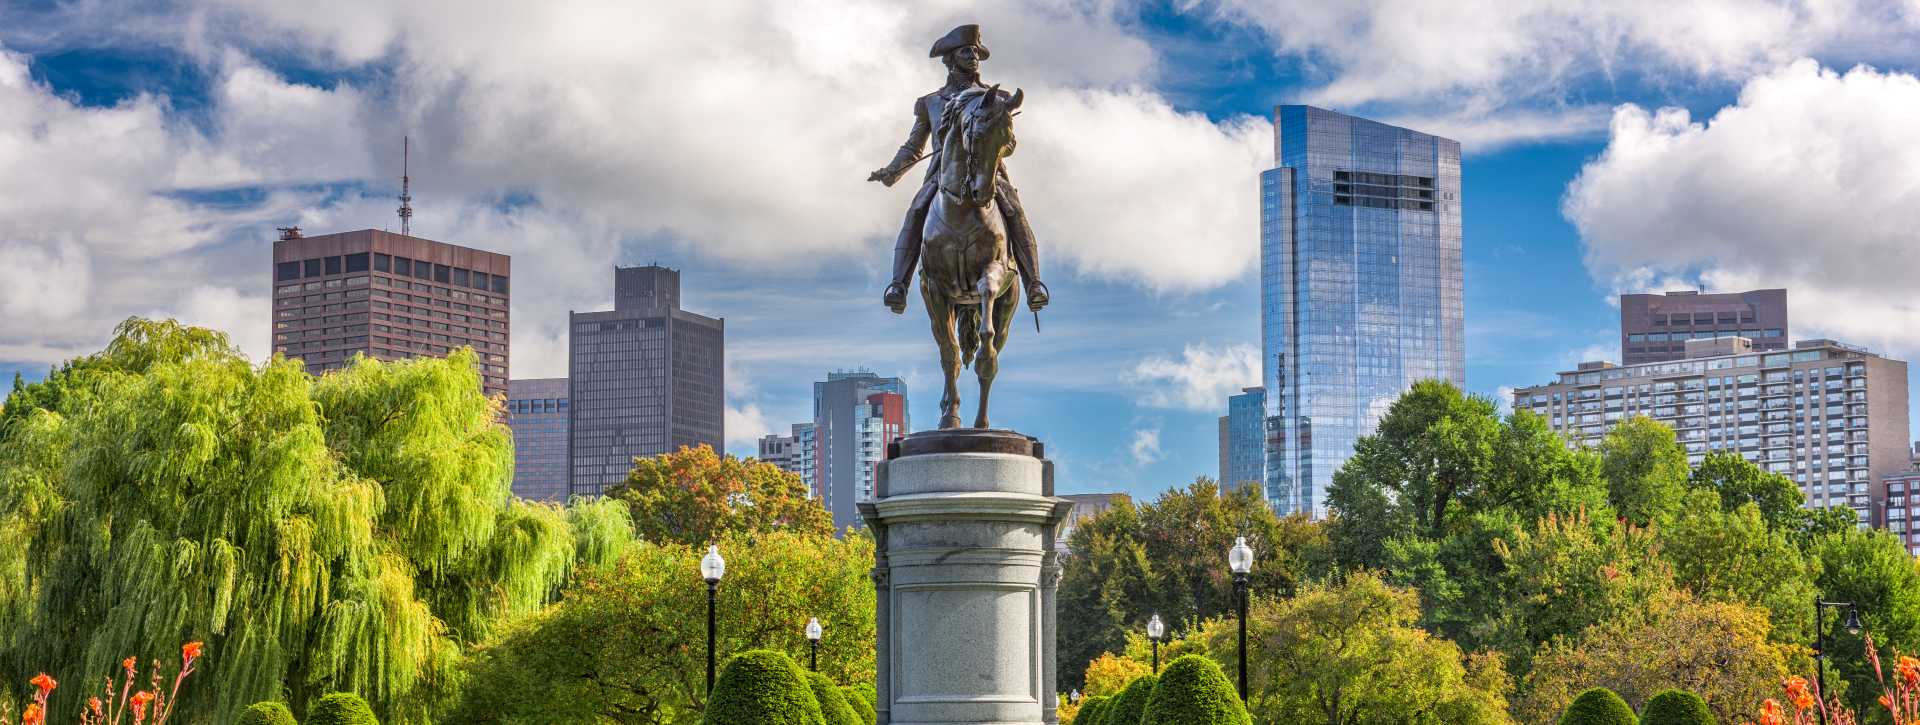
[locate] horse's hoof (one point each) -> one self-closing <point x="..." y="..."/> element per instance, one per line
<point x="949" y="422"/>
<point x="981" y="423"/>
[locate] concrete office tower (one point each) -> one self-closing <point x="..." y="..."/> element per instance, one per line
<point x="1656" y="328"/>
<point x="1360" y="288"/>
<point x="1243" y="441"/>
<point x="855" y="416"/>
<point x="390" y="297"/>
<point x="537" y="414"/>
<point x="1830" y="416"/>
<point x="646" y="378"/>
<point x="793" y="453"/>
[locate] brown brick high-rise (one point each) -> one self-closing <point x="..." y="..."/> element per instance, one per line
<point x="390" y="297"/>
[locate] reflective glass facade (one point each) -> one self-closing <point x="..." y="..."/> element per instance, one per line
<point x="1360" y="287"/>
<point x="1243" y="440"/>
<point x="537" y="414"/>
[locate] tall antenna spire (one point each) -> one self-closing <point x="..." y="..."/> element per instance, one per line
<point x="406" y="198"/>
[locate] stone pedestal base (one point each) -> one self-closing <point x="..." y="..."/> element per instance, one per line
<point x="964" y="523"/>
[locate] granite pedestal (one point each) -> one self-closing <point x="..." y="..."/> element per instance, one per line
<point x="964" y="523"/>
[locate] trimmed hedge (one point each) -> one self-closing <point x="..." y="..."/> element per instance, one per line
<point x="861" y="698"/>
<point x="1598" y="706"/>
<point x="1194" y="691"/>
<point x="1093" y="711"/>
<point x="341" y="708"/>
<point x="833" y="703"/>
<point x="765" y="688"/>
<point x="267" y="713"/>
<point x="1676" y="707"/>
<point x="1131" y="705"/>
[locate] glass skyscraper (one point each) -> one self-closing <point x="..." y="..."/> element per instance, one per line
<point x="1360" y="287"/>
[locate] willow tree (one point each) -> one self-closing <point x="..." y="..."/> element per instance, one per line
<point x="351" y="533"/>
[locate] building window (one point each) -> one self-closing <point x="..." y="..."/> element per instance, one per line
<point x="333" y="265"/>
<point x="441" y="273"/>
<point x="285" y="271"/>
<point x="310" y="268"/>
<point x="500" y="285"/>
<point x="382" y="263"/>
<point x="422" y="270"/>
<point x="357" y="262"/>
<point x="403" y="266"/>
<point x="479" y="280"/>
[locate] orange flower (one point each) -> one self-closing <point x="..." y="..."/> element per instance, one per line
<point x="1909" y="669"/>
<point x="34" y="715"/>
<point x="1884" y="702"/>
<point x="1770" y="713"/>
<point x="140" y="700"/>
<point x="129" y="664"/>
<point x="93" y="704"/>
<point x="190" y="651"/>
<point x="1798" y="694"/>
<point x="45" y="683"/>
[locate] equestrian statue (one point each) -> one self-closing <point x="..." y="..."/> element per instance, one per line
<point x="965" y="227"/>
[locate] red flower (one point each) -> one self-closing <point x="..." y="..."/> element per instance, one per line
<point x="190" y="651"/>
<point x="45" y="683"/>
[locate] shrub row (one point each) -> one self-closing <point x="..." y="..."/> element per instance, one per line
<point x="340" y="708"/>
<point x="1191" y="691"/>
<point x="1601" y="706"/>
<point x="768" y="688"/>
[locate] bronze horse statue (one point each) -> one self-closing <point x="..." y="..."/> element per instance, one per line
<point x="967" y="277"/>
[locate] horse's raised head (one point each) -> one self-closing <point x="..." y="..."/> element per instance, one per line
<point x="989" y="129"/>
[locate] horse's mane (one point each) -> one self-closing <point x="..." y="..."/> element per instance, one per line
<point x="950" y="114"/>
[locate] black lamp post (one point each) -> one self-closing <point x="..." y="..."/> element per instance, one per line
<point x="1155" y="630"/>
<point x="1240" y="560"/>
<point x="813" y="644"/>
<point x="1820" y="646"/>
<point x="712" y="567"/>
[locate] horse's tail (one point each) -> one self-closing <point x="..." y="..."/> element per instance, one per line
<point x="969" y="322"/>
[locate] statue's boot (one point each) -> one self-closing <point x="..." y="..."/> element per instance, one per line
<point x="1020" y="241"/>
<point x="906" y="251"/>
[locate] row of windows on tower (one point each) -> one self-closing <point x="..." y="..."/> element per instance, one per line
<point x="402" y="266"/>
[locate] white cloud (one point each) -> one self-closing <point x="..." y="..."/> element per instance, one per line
<point x="1503" y="400"/>
<point x="1512" y="67"/>
<point x="745" y="425"/>
<point x="1807" y="183"/>
<point x="1200" y="380"/>
<point x="738" y="131"/>
<point x="1146" y="446"/>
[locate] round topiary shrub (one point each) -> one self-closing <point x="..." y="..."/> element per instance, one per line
<point x="267" y="713"/>
<point x="862" y="697"/>
<point x="765" y="688"/>
<point x="1598" y="706"/>
<point x="833" y="702"/>
<point x="341" y="708"/>
<point x="1092" y="711"/>
<point x="1676" y="707"/>
<point x="1130" y="705"/>
<point x="1193" y="691"/>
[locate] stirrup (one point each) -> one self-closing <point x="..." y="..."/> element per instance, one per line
<point x="1037" y="295"/>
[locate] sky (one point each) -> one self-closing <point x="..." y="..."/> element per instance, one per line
<point x="148" y="151"/>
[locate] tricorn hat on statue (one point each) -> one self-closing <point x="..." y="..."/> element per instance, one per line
<point x="958" y="38"/>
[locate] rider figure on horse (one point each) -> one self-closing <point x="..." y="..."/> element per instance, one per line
<point x="962" y="52"/>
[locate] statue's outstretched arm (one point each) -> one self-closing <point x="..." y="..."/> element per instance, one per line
<point x="909" y="152"/>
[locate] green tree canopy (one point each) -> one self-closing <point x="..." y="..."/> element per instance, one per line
<point x="1717" y="649"/>
<point x="1873" y="570"/>
<point x="348" y="533"/>
<point x="1168" y="557"/>
<point x="1738" y="481"/>
<point x="1349" y="654"/>
<point x="696" y="496"/>
<point x="628" y="644"/>
<point x="1646" y="469"/>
